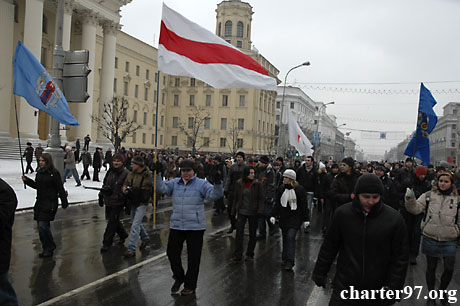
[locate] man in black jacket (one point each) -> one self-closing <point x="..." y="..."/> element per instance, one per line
<point x="8" y="204"/>
<point x="307" y="176"/>
<point x="370" y="239"/>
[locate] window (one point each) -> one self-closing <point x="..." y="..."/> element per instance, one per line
<point x="146" y="93"/>
<point x="240" y="124"/>
<point x="164" y="80"/>
<point x="219" y="29"/>
<point x="292" y="105"/>
<point x="162" y="121"/>
<point x="239" y="142"/>
<point x="136" y="91"/>
<point x="208" y="100"/>
<point x="453" y="136"/>
<point x="116" y="62"/>
<point x="277" y="117"/>
<point x="239" y="29"/>
<point x="192" y="100"/>
<point x="138" y="70"/>
<point x="225" y="100"/>
<point x="242" y="101"/>
<point x="452" y="144"/>
<point x="161" y="140"/>
<point x="454" y="111"/>
<point x="239" y="44"/>
<point x="134" y="137"/>
<point x="115" y="85"/>
<point x="191" y="122"/>
<point x="223" y="123"/>
<point x="125" y="88"/>
<point x="155" y="96"/>
<point x="127" y="67"/>
<point x="145" y="118"/>
<point x="156" y="76"/>
<point x="175" y="123"/>
<point x="163" y="98"/>
<point x="223" y="142"/>
<point x="45" y="24"/>
<point x="143" y="138"/>
<point x="135" y="116"/>
<point x="154" y="118"/>
<point x="177" y="82"/>
<point x="192" y="82"/>
<point x="153" y="139"/>
<point x="454" y="126"/>
<point x="205" y="142"/>
<point x="176" y="100"/>
<point x="228" y="28"/>
<point x="207" y="123"/>
<point x="147" y="75"/>
<point x="174" y="140"/>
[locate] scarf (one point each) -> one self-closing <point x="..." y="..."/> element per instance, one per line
<point x="289" y="196"/>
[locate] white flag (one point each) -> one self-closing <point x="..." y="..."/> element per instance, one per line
<point x="297" y="138"/>
<point x="187" y="49"/>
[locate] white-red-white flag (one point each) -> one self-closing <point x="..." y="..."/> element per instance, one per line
<point x="297" y="138"/>
<point x="187" y="49"/>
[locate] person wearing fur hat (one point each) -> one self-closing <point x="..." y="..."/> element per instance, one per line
<point x="291" y="211"/>
<point x="440" y="228"/>
<point x="138" y="189"/>
<point x="370" y="241"/>
<point x="343" y="185"/>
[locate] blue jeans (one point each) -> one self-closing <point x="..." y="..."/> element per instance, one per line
<point x="137" y="214"/>
<point x="310" y="196"/>
<point x="289" y="235"/>
<point x="46" y="236"/>
<point x="7" y="294"/>
<point x="74" y="174"/>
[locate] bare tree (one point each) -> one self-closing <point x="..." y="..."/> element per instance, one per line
<point x="114" y="122"/>
<point x="270" y="145"/>
<point x="193" y="130"/>
<point x="232" y="137"/>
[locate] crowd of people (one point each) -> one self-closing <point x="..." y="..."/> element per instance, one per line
<point x="373" y="215"/>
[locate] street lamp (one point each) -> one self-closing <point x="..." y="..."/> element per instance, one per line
<point x="343" y="124"/>
<point x="307" y="63"/>
<point x="316" y="136"/>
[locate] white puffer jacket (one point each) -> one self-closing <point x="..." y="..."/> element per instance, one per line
<point x="440" y="223"/>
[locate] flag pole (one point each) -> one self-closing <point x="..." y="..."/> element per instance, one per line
<point x="155" y="158"/>
<point x="19" y="138"/>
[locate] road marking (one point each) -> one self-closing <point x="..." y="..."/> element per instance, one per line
<point x="99" y="281"/>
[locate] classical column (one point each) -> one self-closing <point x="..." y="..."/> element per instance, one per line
<point x="28" y="116"/>
<point x="108" y="70"/>
<point x="6" y="75"/>
<point x="67" y="26"/>
<point x="84" y="111"/>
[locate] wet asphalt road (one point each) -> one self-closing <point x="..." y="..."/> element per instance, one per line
<point x="79" y="274"/>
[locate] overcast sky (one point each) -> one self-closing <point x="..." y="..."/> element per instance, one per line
<point x="352" y="45"/>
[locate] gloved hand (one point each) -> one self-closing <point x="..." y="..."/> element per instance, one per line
<point x="272" y="220"/>
<point x="100" y="199"/>
<point x="410" y="195"/>
<point x="320" y="281"/>
<point x="65" y="204"/>
<point x="306" y="224"/>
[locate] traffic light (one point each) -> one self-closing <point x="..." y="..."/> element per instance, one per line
<point x="296" y="153"/>
<point x="75" y="75"/>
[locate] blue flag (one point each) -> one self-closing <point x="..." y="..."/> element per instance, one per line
<point x="419" y="145"/>
<point x="32" y="81"/>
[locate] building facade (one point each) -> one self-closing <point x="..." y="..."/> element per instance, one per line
<point x="443" y="139"/>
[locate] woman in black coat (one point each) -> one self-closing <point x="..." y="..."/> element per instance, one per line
<point x="49" y="187"/>
<point x="291" y="210"/>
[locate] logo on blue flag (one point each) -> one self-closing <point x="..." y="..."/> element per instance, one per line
<point x="33" y="82"/>
<point x="419" y="145"/>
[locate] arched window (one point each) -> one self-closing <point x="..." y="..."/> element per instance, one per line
<point x="219" y="29"/>
<point x="228" y="28"/>
<point x="239" y="29"/>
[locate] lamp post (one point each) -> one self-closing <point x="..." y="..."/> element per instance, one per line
<point x="316" y="136"/>
<point x="281" y="127"/>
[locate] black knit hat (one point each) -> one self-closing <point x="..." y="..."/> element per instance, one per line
<point x="138" y="161"/>
<point x="187" y="164"/>
<point x="264" y="159"/>
<point x="240" y="154"/>
<point x="349" y="161"/>
<point x="369" y="183"/>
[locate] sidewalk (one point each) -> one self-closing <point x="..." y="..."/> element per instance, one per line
<point x="10" y="171"/>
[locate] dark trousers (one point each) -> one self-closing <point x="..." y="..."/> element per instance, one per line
<point x="85" y="172"/>
<point x="86" y="146"/>
<point x="229" y="211"/>
<point x="96" y="174"/>
<point x="239" y="239"/>
<point x="114" y="226"/>
<point x="413" y="230"/>
<point x="446" y="277"/>
<point x="46" y="236"/>
<point x="194" y="241"/>
<point x="289" y="235"/>
<point x="7" y="294"/>
<point x="265" y="219"/>
<point x="29" y="167"/>
<point x="220" y="206"/>
<point x="328" y="212"/>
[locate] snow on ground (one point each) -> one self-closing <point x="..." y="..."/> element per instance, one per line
<point x="10" y="171"/>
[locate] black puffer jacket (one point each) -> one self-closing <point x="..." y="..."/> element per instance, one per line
<point x="342" y="186"/>
<point x="291" y="218"/>
<point x="372" y="250"/>
<point x="8" y="204"/>
<point x="49" y="188"/>
<point x="113" y="181"/>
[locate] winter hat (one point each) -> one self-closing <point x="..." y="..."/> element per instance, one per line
<point x="138" y="160"/>
<point x="290" y="174"/>
<point x="264" y="159"/>
<point x="421" y="170"/>
<point x="369" y="183"/>
<point x="118" y="156"/>
<point x="349" y="161"/>
<point x="409" y="160"/>
<point x="321" y="165"/>
<point x="334" y="166"/>
<point x="380" y="167"/>
<point x="218" y="158"/>
<point x="240" y="154"/>
<point x="187" y="164"/>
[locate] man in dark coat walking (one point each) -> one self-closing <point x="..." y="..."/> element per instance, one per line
<point x="38" y="152"/>
<point x="87" y="161"/>
<point x="97" y="164"/>
<point x="29" y="155"/>
<point x="87" y="140"/>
